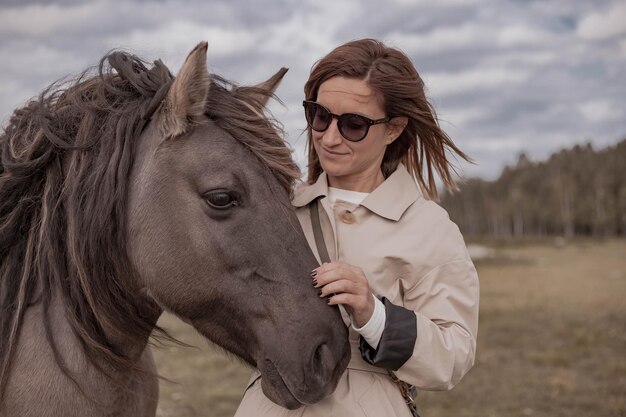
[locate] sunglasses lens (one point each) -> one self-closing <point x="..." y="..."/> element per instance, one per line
<point x="318" y="117"/>
<point x="353" y="127"/>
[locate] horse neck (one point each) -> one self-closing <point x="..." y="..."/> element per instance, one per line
<point x="130" y="344"/>
<point x="36" y="379"/>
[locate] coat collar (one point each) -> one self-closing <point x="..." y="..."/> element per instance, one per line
<point x="389" y="200"/>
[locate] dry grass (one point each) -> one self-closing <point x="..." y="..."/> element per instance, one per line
<point x="551" y="342"/>
<point x="203" y="380"/>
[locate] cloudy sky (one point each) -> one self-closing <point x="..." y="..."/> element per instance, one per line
<point x="505" y="76"/>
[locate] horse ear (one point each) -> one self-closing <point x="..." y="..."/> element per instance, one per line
<point x="271" y="85"/>
<point x="185" y="101"/>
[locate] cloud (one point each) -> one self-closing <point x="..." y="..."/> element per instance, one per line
<point x="602" y="110"/>
<point x="444" y="84"/>
<point x="446" y="39"/>
<point x="44" y="19"/>
<point x="522" y="35"/>
<point x="175" y="39"/>
<point x="504" y="76"/>
<point x="606" y="24"/>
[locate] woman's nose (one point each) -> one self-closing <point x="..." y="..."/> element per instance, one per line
<point x="332" y="136"/>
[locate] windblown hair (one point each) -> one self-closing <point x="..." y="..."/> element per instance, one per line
<point x="423" y="145"/>
<point x="64" y="173"/>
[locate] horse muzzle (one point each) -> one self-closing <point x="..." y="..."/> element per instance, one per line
<point x="307" y="379"/>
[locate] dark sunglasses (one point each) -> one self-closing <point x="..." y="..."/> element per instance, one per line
<point x="352" y="127"/>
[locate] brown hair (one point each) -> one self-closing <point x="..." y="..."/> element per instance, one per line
<point x="422" y="145"/>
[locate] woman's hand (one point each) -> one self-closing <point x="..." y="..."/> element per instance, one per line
<point x="345" y="284"/>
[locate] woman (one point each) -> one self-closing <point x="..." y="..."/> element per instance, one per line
<point x="398" y="267"/>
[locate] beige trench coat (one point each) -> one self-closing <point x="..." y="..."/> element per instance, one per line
<point x="412" y="254"/>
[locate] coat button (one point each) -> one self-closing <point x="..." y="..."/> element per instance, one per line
<point x="347" y="217"/>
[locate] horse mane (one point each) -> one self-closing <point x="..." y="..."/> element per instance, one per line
<point x="65" y="163"/>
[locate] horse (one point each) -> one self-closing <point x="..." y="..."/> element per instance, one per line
<point x="131" y="192"/>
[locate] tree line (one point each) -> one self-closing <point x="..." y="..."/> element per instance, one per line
<point x="576" y="192"/>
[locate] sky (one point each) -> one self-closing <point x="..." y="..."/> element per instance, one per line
<point x="505" y="76"/>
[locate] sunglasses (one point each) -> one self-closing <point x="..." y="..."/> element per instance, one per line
<point x="352" y="127"/>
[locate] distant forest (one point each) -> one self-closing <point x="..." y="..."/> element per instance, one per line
<point x="576" y="192"/>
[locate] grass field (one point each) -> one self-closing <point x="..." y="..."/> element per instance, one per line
<point x="552" y="342"/>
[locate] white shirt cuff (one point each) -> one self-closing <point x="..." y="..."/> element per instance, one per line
<point x="373" y="329"/>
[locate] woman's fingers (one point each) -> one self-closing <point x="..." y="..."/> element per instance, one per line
<point x="342" y="298"/>
<point x="357" y="302"/>
<point x="334" y="271"/>
<point x="340" y="286"/>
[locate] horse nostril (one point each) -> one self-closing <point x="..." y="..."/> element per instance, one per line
<point x="322" y="367"/>
<point x="318" y="356"/>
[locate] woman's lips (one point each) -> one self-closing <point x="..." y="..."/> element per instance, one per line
<point x="332" y="154"/>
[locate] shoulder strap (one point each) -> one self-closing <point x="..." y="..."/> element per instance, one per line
<point x="317" y="231"/>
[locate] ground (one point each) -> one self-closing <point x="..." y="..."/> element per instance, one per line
<point x="551" y="343"/>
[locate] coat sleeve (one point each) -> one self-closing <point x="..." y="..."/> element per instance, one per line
<point x="431" y="341"/>
<point x="397" y="340"/>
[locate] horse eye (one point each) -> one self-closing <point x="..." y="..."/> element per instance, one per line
<point x="221" y="199"/>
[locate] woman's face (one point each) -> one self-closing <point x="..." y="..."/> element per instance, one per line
<point x="352" y="165"/>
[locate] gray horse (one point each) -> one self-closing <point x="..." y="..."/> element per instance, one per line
<point x="132" y="192"/>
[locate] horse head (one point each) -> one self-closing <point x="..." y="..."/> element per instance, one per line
<point x="214" y="239"/>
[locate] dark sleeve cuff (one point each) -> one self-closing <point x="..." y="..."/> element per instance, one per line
<point x="397" y="341"/>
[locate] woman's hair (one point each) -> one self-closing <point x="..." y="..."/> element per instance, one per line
<point x="422" y="145"/>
